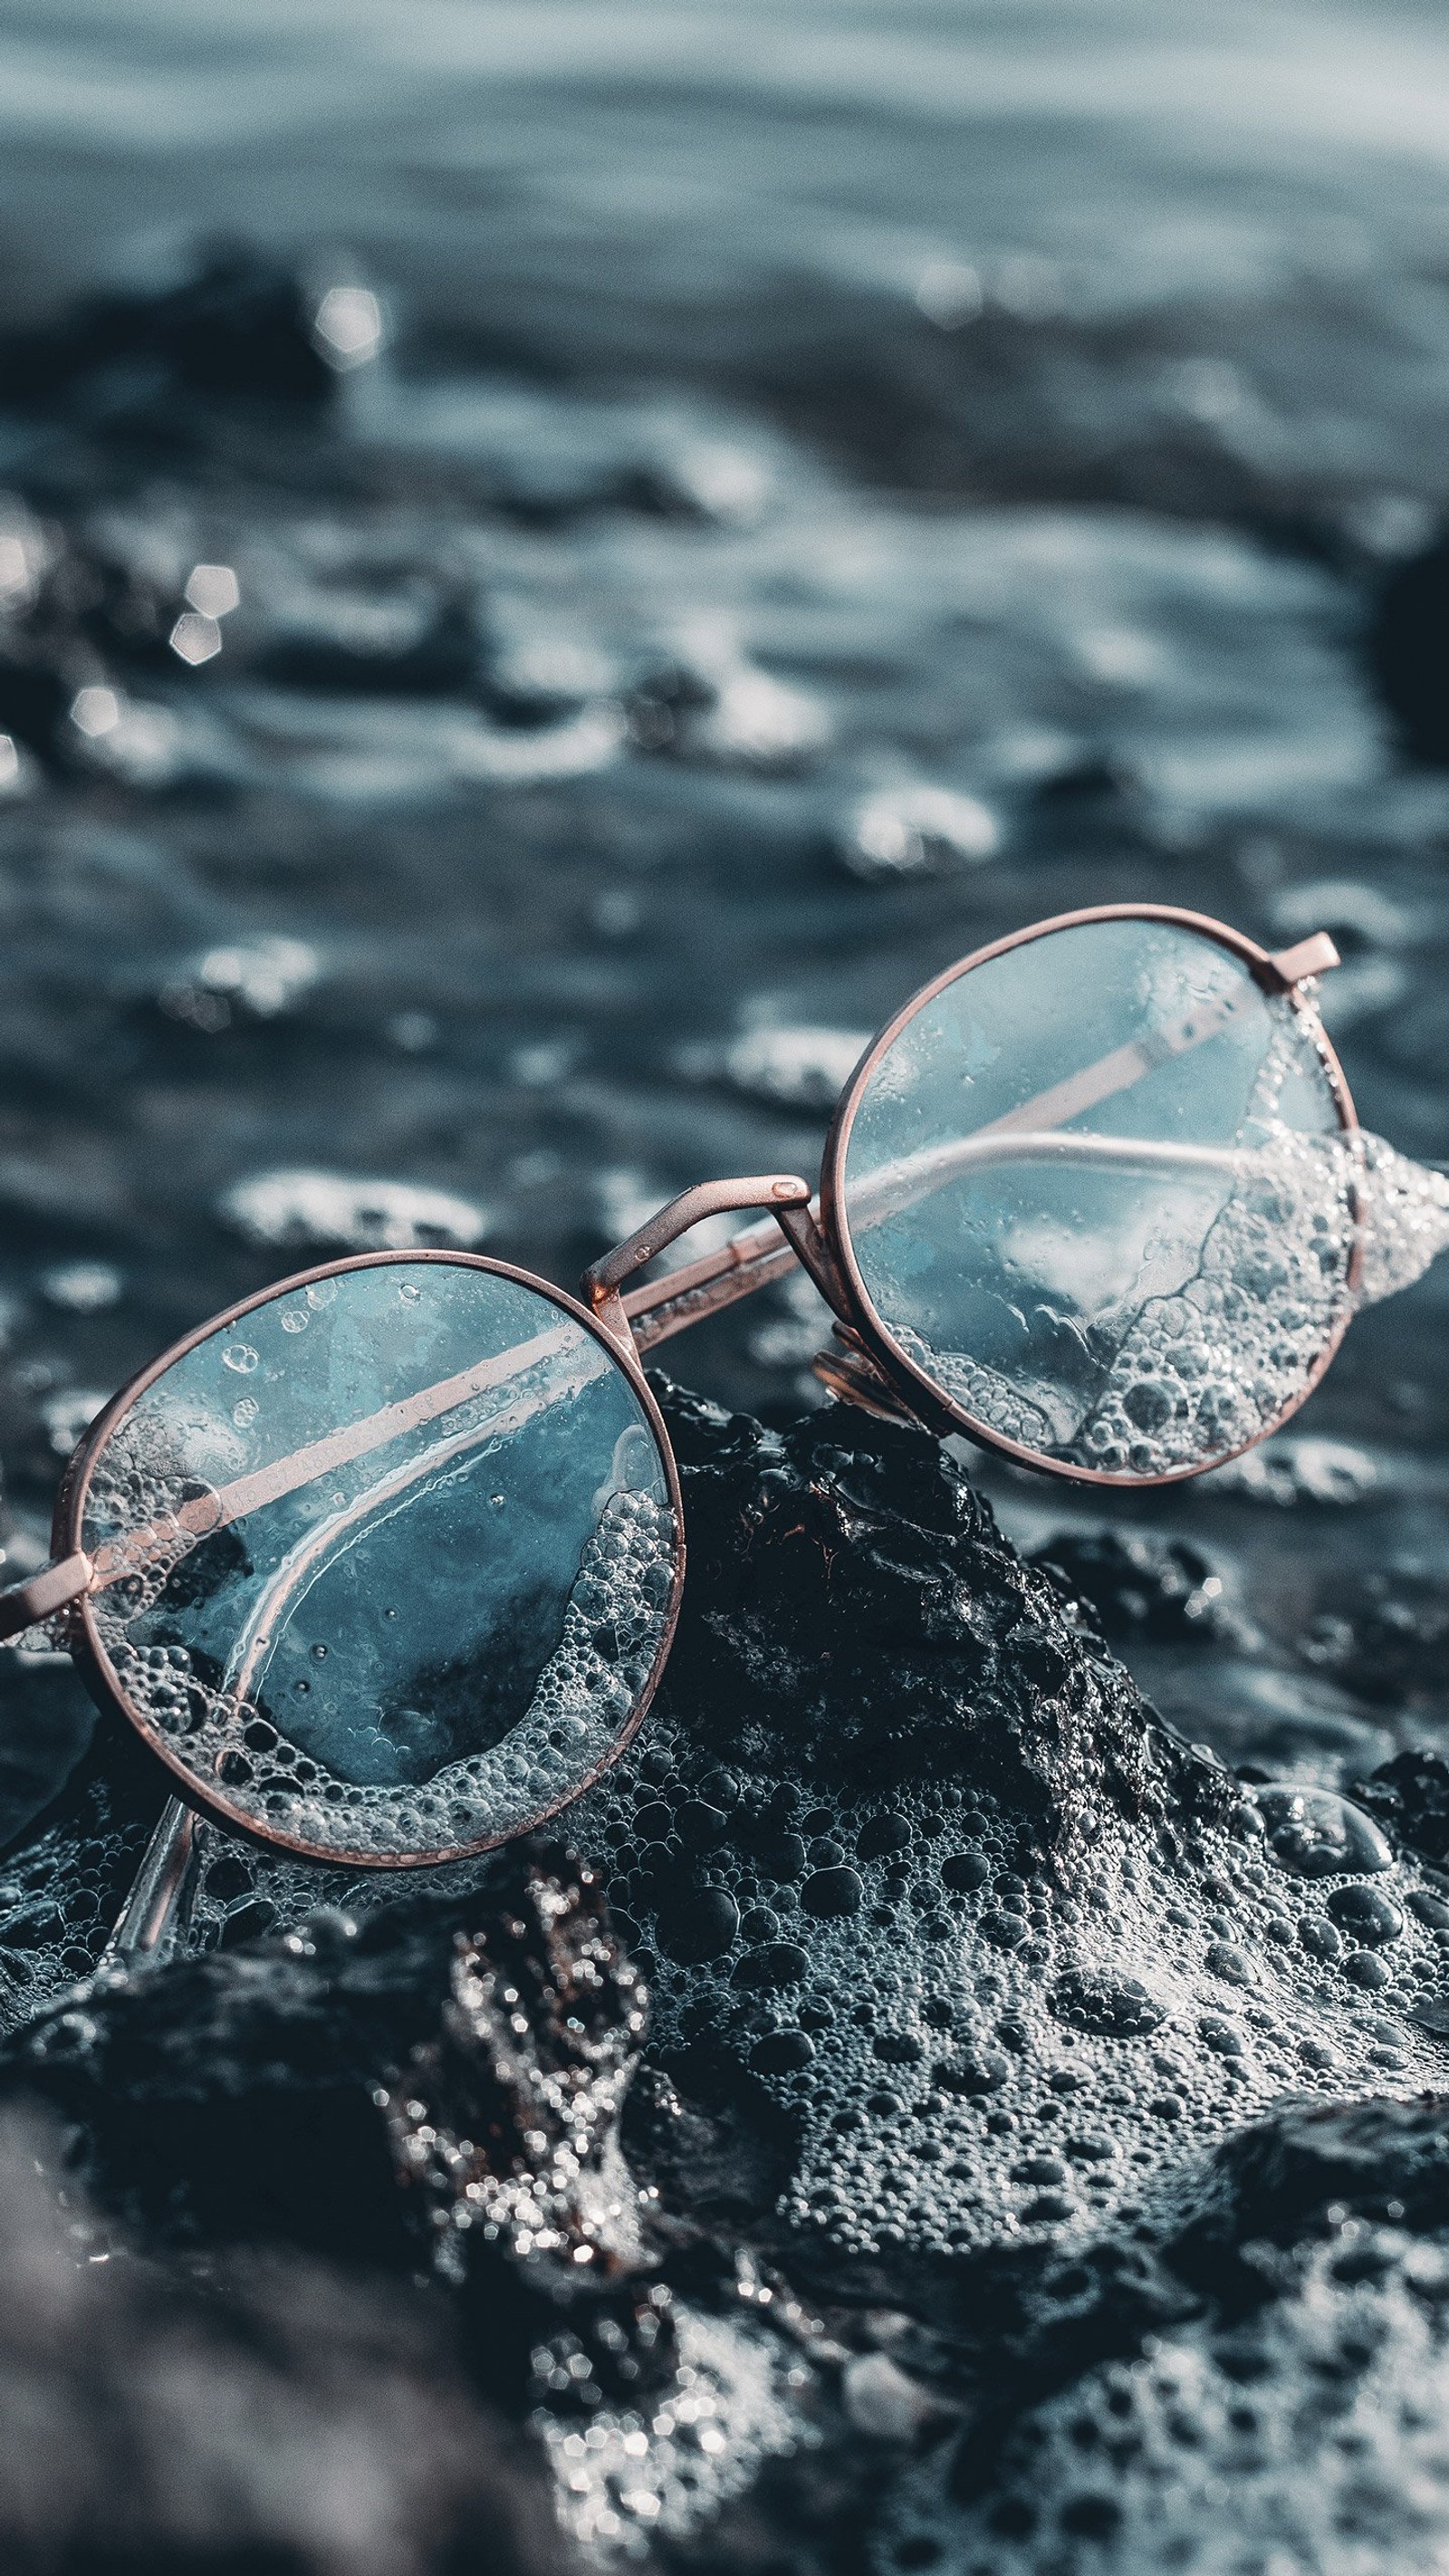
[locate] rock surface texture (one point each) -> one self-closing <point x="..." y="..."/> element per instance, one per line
<point x="1034" y="2139"/>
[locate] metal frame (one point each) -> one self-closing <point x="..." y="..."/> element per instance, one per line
<point x="1281" y="973"/>
<point x="100" y="1673"/>
<point x="866" y="1365"/>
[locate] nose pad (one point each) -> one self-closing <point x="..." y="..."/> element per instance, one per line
<point x="846" y="1368"/>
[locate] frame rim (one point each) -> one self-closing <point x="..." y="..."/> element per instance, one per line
<point x="913" y="1381"/>
<point x="104" y="1683"/>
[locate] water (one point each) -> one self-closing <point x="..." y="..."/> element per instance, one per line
<point x="736" y="510"/>
<point x="799" y="495"/>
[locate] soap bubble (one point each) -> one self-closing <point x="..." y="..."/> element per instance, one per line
<point x="1317" y="1834"/>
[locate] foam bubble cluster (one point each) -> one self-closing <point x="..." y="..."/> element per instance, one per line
<point x="633" y="2476"/>
<point x="1311" y="2439"/>
<point x="971" y="2051"/>
<point x="1218" y="1364"/>
<point x="1202" y="1371"/>
<point x="582" y="1702"/>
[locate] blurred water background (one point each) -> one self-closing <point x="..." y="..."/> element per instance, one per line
<point x="558" y="560"/>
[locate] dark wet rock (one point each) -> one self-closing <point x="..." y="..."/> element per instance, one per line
<point x="1384" y="1636"/>
<point x="505" y="2127"/>
<point x="1136" y="1586"/>
<point x="233" y="2096"/>
<point x="269" y="2412"/>
<point x="46" y="1726"/>
<point x="963" y="2066"/>
<point x="261" y="2092"/>
<point x="436" y="2091"/>
<point x="1266" y="1723"/>
<point x="240" y="325"/>
<point x="1314" y="2165"/>
<point x="1265" y="2347"/>
<point x="852" y="1599"/>
<point x="1410" y="1797"/>
<point x="1408" y="649"/>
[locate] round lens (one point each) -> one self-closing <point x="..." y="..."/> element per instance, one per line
<point x="1096" y="1190"/>
<point x="385" y="1563"/>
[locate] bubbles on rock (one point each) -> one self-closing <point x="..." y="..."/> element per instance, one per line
<point x="1366" y="1914"/>
<point x="988" y="2045"/>
<point x="1320" y="2419"/>
<point x="1315" y="1833"/>
<point x="634" y="2475"/>
<point x="1112" y="2006"/>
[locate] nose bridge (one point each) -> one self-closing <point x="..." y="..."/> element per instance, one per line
<point x="708" y="1198"/>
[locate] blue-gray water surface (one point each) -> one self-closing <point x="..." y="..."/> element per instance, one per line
<point x="555" y="563"/>
<point x="665" y="527"/>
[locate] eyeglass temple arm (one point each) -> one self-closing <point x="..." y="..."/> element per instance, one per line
<point x="652" y="1313"/>
<point x="148" y="1919"/>
<point x="54" y="1588"/>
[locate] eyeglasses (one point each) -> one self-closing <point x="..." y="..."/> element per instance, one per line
<point x="384" y="1563"/>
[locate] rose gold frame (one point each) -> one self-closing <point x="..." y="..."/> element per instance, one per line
<point x="1280" y="973"/>
<point x="100" y="1674"/>
<point x="867" y="1365"/>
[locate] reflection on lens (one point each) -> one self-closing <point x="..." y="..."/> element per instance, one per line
<point x="1097" y="1191"/>
<point x="386" y="1564"/>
